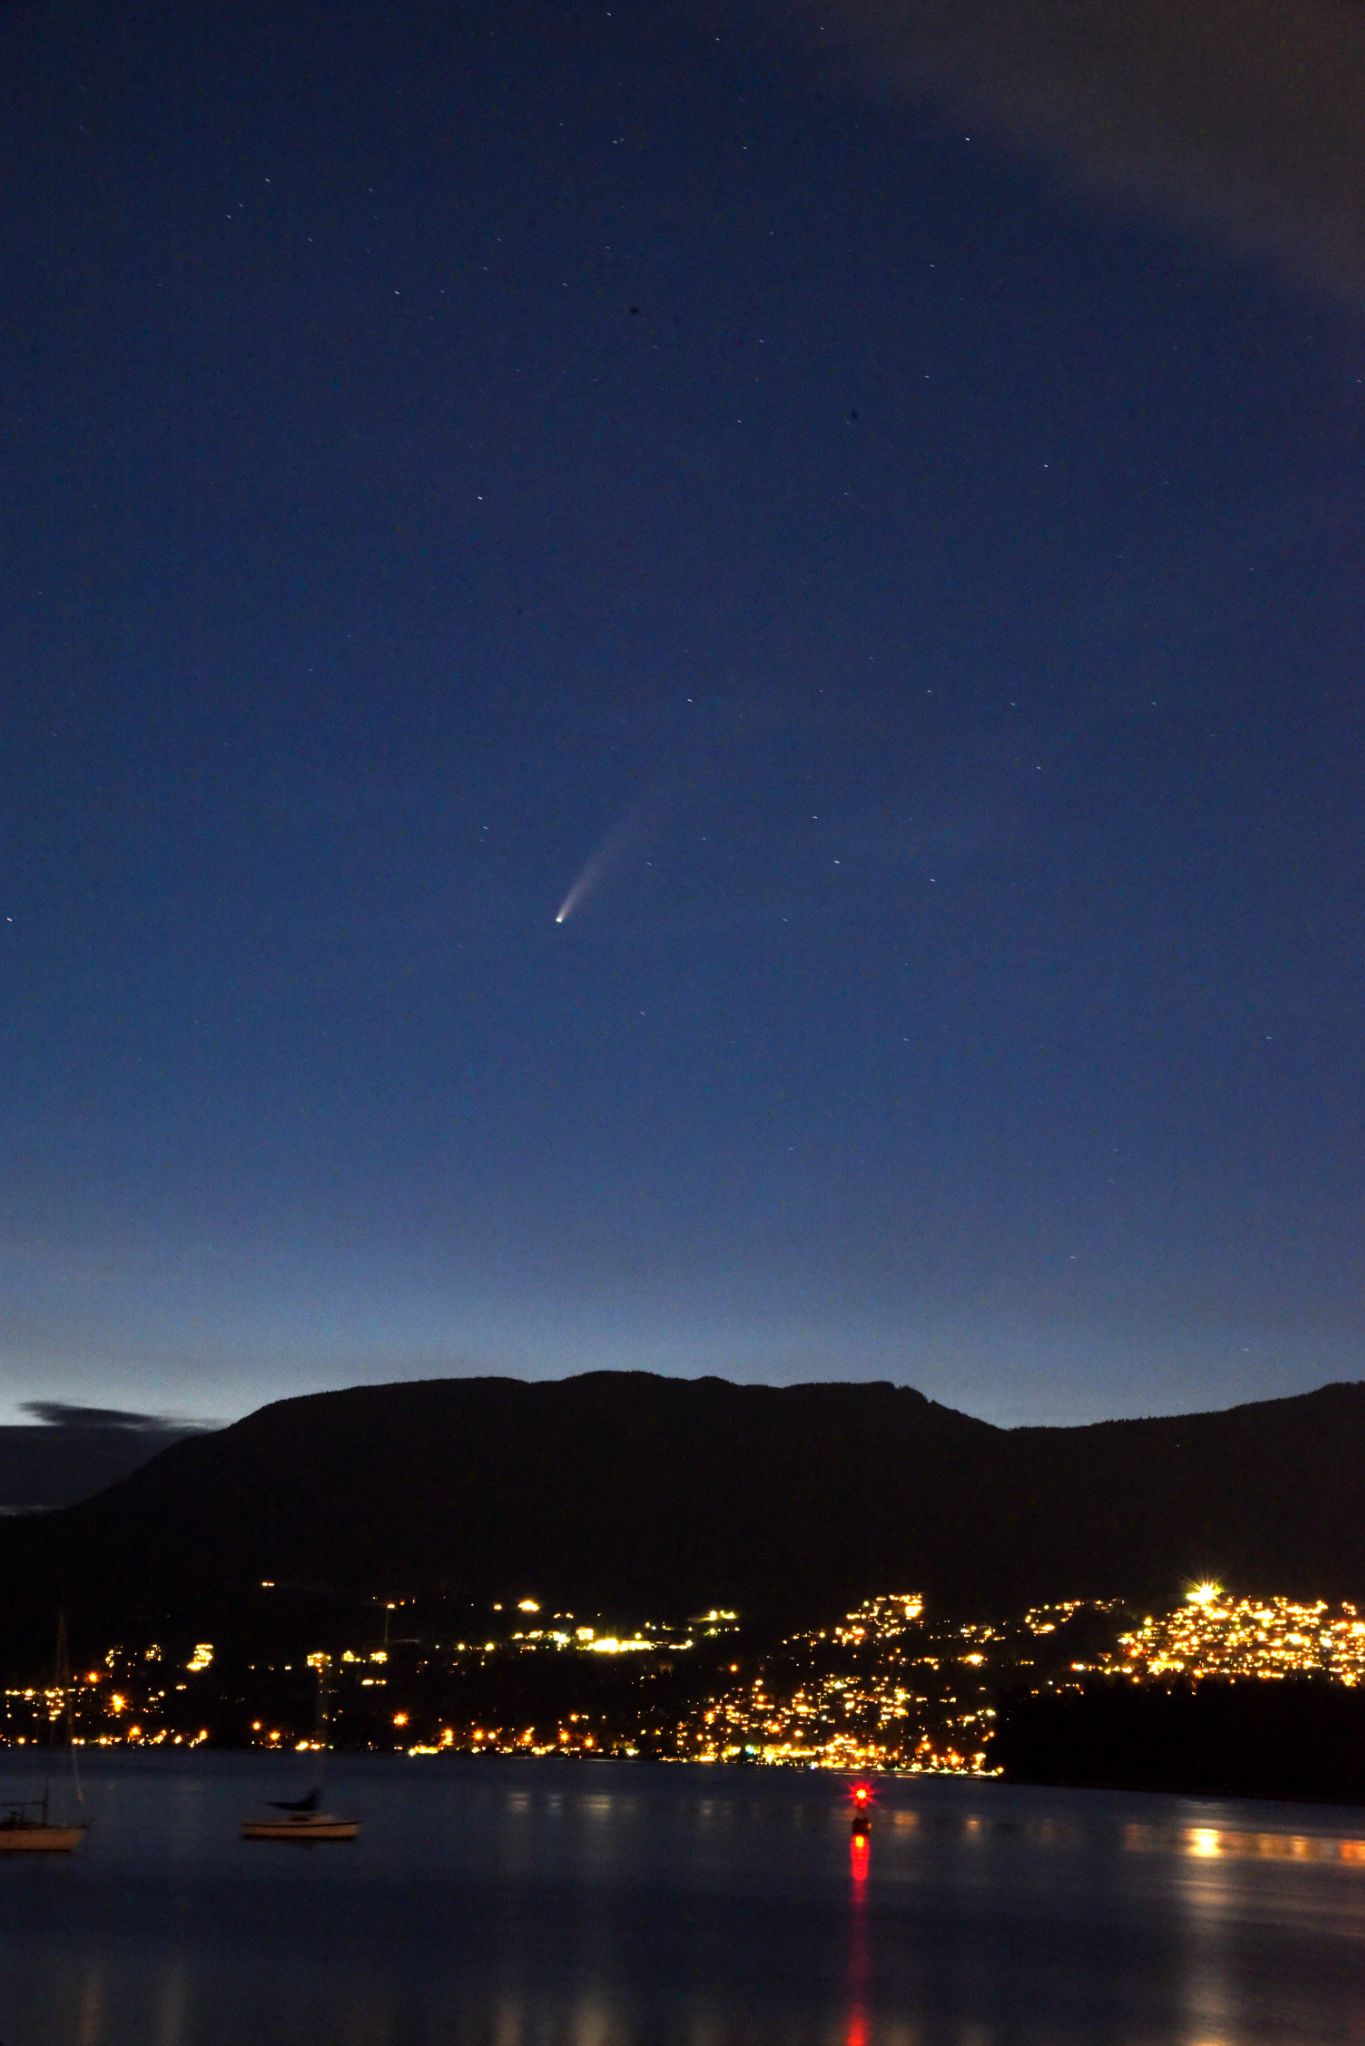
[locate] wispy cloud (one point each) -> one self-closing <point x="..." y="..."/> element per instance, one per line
<point x="1240" y="119"/>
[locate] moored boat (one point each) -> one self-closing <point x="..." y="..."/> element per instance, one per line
<point x="26" y="1829"/>
<point x="300" y="1820"/>
<point x="315" y="1826"/>
<point x="28" y="1826"/>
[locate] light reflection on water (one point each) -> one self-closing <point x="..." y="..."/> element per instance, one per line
<point x="859" y="1959"/>
<point x="1209" y="1842"/>
<point x="492" y="1904"/>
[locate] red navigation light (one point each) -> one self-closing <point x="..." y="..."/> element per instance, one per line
<point x="862" y="1793"/>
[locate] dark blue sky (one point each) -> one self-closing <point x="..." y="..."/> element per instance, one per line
<point x="914" y="563"/>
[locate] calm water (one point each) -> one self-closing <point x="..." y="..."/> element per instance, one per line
<point x="607" y="1904"/>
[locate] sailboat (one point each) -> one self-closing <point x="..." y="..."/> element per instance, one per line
<point x="302" y="1818"/>
<point x="29" y="1827"/>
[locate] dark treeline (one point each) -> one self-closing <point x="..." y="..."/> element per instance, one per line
<point x="1303" y="1737"/>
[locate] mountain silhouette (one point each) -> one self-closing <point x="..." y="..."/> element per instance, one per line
<point x="645" y="1496"/>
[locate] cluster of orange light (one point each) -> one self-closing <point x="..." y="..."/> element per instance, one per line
<point x="1216" y="1634"/>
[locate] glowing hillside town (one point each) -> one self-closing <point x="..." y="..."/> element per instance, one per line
<point x="887" y="1686"/>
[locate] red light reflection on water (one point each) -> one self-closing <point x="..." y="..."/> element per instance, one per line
<point x="857" y="2031"/>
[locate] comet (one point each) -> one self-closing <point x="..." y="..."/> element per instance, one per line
<point x="598" y="864"/>
<point x="587" y="880"/>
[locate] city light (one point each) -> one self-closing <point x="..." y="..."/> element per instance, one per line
<point x="1218" y="1635"/>
<point x="891" y="1684"/>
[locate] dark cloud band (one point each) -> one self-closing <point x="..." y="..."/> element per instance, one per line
<point x="61" y="1414"/>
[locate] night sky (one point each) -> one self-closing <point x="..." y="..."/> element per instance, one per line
<point x="865" y="513"/>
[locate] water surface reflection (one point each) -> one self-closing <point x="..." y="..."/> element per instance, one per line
<point x="492" y="1904"/>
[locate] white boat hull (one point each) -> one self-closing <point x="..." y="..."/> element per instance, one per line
<point x="305" y="1826"/>
<point x="40" y="1839"/>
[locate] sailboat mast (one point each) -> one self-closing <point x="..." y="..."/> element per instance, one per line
<point x="322" y="1663"/>
<point x="58" y="1652"/>
<point x="68" y="1690"/>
